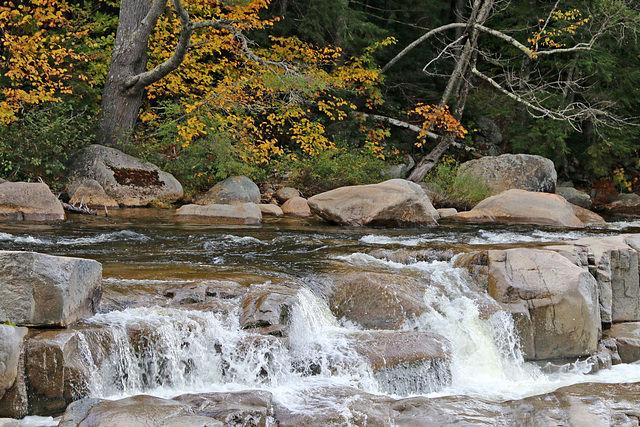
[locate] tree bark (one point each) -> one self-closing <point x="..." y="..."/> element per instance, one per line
<point x="459" y="79"/>
<point x="119" y="107"/>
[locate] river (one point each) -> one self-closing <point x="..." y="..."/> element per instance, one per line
<point x="144" y="252"/>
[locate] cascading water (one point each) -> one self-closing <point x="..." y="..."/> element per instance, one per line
<point x="168" y="350"/>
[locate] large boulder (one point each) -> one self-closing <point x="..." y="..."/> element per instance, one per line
<point x="13" y="391"/>
<point x="126" y="179"/>
<point x="91" y="194"/>
<point x="615" y="268"/>
<point x="29" y="201"/>
<point x="509" y="171"/>
<point x="45" y="290"/>
<point x="286" y="193"/>
<point x="235" y="190"/>
<point x="395" y="203"/>
<point x="248" y="213"/>
<point x="375" y="300"/>
<point x="58" y="370"/>
<point x="554" y="301"/>
<point x="522" y="207"/>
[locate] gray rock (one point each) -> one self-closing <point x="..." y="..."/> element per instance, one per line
<point x="126" y="179"/>
<point x="489" y="139"/>
<point x="447" y="212"/>
<point x="399" y="171"/>
<point x="13" y="390"/>
<point x="29" y="201"/>
<point x="286" y="193"/>
<point x="391" y="203"/>
<point x="545" y="292"/>
<point x="522" y="207"/>
<point x="513" y="171"/>
<point x="575" y="196"/>
<point x="235" y="190"/>
<point x="627" y="205"/>
<point x="91" y="193"/>
<point x="45" y="290"/>
<point x="248" y="213"/>
<point x="242" y="408"/>
<point x="615" y="267"/>
<point x="627" y="337"/>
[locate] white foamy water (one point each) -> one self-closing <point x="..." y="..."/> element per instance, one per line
<point x="379" y="239"/>
<point x="124" y="235"/>
<point x="487" y="361"/>
<point x="486" y="237"/>
<point x="230" y="240"/>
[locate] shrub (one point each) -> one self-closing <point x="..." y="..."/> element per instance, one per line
<point x="452" y="189"/>
<point x="39" y="145"/>
<point x="332" y="169"/>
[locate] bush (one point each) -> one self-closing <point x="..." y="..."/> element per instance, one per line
<point x="332" y="169"/>
<point x="39" y="145"/>
<point x="461" y="191"/>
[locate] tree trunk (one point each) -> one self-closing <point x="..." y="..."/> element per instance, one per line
<point x="459" y="79"/>
<point x="120" y="107"/>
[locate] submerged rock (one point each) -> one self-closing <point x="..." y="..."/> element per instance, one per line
<point x="45" y="290"/>
<point x="126" y="179"/>
<point x="29" y="201"/>
<point x="513" y="171"/>
<point x="393" y="203"/>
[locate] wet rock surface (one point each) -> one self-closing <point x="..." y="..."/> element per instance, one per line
<point x="375" y="300"/>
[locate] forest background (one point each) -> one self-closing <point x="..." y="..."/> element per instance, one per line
<point x="309" y="93"/>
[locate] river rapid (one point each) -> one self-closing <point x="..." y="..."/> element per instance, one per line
<point x="144" y="252"/>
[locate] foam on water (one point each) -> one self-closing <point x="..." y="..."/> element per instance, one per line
<point x="487" y="237"/>
<point x="380" y="239"/>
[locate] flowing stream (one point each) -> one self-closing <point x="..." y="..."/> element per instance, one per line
<point x="166" y="350"/>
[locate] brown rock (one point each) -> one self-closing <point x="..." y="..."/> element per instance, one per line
<point x="270" y="209"/>
<point x="627" y="337"/>
<point x="523" y="207"/>
<point x="91" y="193"/>
<point x="375" y="300"/>
<point x="395" y="203"/>
<point x="268" y="304"/>
<point x="296" y="206"/>
<point x="29" y="201"/>
<point x="286" y="193"/>
<point x="249" y="213"/>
